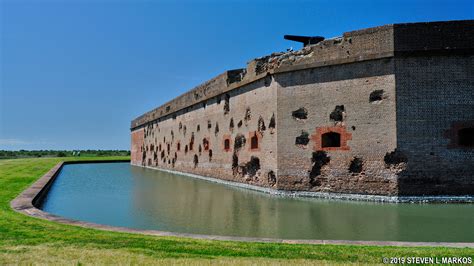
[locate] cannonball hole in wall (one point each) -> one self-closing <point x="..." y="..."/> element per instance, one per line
<point x="300" y="114"/>
<point x="356" y="165"/>
<point x="235" y="161"/>
<point x="248" y="114"/>
<point x="272" y="123"/>
<point x="318" y="160"/>
<point x="376" y="96"/>
<point x="338" y="113"/>
<point x="239" y="142"/>
<point x="331" y="139"/>
<point x="395" y="157"/>
<point x="271" y="178"/>
<point x="268" y="80"/>
<point x="261" y="124"/>
<point x="302" y="139"/>
<point x="195" y="160"/>
<point x="466" y="137"/>
<point x="226" y="104"/>
<point x="191" y="142"/>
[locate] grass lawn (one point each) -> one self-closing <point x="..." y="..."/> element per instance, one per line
<point x="24" y="239"/>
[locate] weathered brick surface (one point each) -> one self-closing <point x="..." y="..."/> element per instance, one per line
<point x="372" y="127"/>
<point x="434" y="95"/>
<point x="376" y="111"/>
<point x="247" y="105"/>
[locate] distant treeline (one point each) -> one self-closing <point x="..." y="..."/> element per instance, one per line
<point x="58" y="153"/>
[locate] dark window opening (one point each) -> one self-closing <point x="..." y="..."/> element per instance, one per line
<point x="331" y="139"/>
<point x="178" y="146"/>
<point x="227" y="144"/>
<point x="254" y="142"/>
<point x="466" y="137"/>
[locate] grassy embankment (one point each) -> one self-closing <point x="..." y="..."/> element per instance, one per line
<point x="24" y="239"/>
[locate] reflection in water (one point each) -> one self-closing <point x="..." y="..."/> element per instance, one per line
<point x="123" y="195"/>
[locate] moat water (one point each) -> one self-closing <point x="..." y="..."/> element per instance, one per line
<point x="119" y="194"/>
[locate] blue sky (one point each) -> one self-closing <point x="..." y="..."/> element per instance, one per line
<point x="74" y="73"/>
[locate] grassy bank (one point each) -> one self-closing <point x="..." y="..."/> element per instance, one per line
<point x="24" y="239"/>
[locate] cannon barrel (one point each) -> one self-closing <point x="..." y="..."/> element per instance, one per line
<point x="306" y="40"/>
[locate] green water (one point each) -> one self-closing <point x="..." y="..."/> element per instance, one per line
<point x="122" y="195"/>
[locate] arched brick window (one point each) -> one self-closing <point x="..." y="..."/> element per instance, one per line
<point x="254" y="141"/>
<point x="331" y="139"/>
<point x="227" y="143"/>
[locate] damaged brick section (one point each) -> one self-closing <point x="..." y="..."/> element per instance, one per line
<point x="319" y="159"/>
<point x="376" y="96"/>
<point x="356" y="165"/>
<point x="195" y="160"/>
<point x="239" y="142"/>
<point x="261" y="125"/>
<point x="272" y="124"/>
<point x="300" y="114"/>
<point x="338" y="114"/>
<point x="302" y="139"/>
<point x="395" y="157"/>
<point x="235" y="75"/>
<point x="226" y="104"/>
<point x="248" y="169"/>
<point x="231" y="124"/>
<point x="248" y="115"/>
<point x="271" y="178"/>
